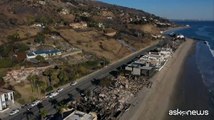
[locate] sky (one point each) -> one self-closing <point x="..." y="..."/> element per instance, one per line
<point x="172" y="9"/>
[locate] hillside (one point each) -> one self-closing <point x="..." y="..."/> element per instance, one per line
<point x="133" y="26"/>
<point x="87" y="35"/>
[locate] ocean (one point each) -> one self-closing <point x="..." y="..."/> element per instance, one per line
<point x="195" y="88"/>
<point x="202" y="31"/>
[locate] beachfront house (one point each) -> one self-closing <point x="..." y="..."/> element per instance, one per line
<point x="154" y="59"/>
<point x="180" y="37"/>
<point x="166" y="53"/>
<point x="137" y="63"/>
<point x="130" y="67"/>
<point x="6" y="98"/>
<point x="139" y="69"/>
<point x="147" y="70"/>
<point x="43" y="53"/>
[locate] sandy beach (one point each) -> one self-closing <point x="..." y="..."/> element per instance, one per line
<point x="152" y="104"/>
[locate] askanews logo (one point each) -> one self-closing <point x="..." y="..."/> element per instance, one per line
<point x="177" y="112"/>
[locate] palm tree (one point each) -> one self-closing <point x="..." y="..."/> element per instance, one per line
<point x="61" y="108"/>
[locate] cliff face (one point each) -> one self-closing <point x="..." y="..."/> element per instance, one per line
<point x="133" y="27"/>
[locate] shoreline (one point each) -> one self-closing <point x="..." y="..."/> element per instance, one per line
<point x="175" y="29"/>
<point x="190" y="93"/>
<point x="152" y="104"/>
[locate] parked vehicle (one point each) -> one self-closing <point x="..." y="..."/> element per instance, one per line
<point x="51" y="95"/>
<point x="13" y="112"/>
<point x="35" y="103"/>
<point x="59" y="90"/>
<point x="73" y="83"/>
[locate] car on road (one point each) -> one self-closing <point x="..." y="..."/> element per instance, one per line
<point x="73" y="83"/>
<point x="51" y="95"/>
<point x="47" y="95"/>
<point x="54" y="94"/>
<point x="13" y="112"/>
<point x="35" y="103"/>
<point x="59" y="90"/>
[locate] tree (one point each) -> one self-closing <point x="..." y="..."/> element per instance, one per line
<point x="14" y="37"/>
<point x="5" y="50"/>
<point x="63" y="77"/>
<point x="40" y="38"/>
<point x="37" y="84"/>
<point x="43" y="113"/>
<point x="40" y="58"/>
<point x="6" y="62"/>
<point x="49" y="74"/>
<point x="61" y="108"/>
<point x="21" y="47"/>
<point x="45" y="20"/>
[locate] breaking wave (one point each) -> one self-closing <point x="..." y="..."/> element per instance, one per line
<point x="209" y="46"/>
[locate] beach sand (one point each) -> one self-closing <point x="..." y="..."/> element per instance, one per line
<point x="190" y="92"/>
<point x="152" y="104"/>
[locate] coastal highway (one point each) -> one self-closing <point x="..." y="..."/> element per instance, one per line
<point x="83" y="83"/>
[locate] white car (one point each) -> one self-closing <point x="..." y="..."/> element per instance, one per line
<point x="13" y="112"/>
<point x="59" y="90"/>
<point x="53" y="94"/>
<point x="35" y="103"/>
<point x="74" y="83"/>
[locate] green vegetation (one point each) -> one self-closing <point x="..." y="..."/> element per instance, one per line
<point x="48" y="89"/>
<point x="43" y="113"/>
<point x="6" y="62"/>
<point x="60" y="109"/>
<point x="63" y="74"/>
<point x="7" y="53"/>
<point x="45" y="20"/>
<point x="36" y="83"/>
<point x="14" y="37"/>
<point x="63" y="77"/>
<point x="40" y="58"/>
<point x="40" y="38"/>
<point x="5" y="50"/>
<point x="21" y="47"/>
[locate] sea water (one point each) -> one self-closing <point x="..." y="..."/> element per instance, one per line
<point x="203" y="32"/>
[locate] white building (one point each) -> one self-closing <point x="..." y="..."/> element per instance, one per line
<point x="180" y="37"/>
<point x="166" y="53"/>
<point x="43" y="53"/>
<point x="6" y="98"/>
<point x="154" y="59"/>
<point x="78" y="115"/>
